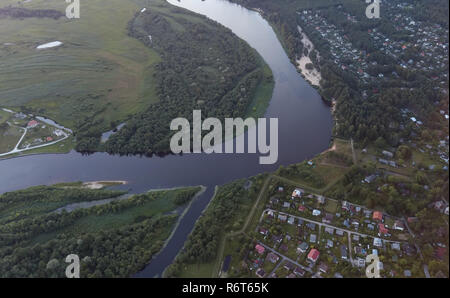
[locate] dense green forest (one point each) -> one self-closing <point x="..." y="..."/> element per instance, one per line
<point x="116" y="239"/>
<point x="225" y="213"/>
<point x="204" y="66"/>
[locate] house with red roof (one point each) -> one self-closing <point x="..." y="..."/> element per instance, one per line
<point x="313" y="255"/>
<point x="377" y="215"/>
<point x="382" y="229"/>
<point x="32" y="123"/>
<point x="260" y="249"/>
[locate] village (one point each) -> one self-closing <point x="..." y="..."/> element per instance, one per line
<point x="400" y="49"/>
<point x="302" y="234"/>
<point x="23" y="132"/>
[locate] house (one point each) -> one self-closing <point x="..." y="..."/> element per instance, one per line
<point x="356" y="237"/>
<point x="260" y="273"/>
<point x="302" y="247"/>
<point x="370" y="179"/>
<point x="316" y="212"/>
<point x="359" y="250"/>
<point x="313" y="255"/>
<point x="395" y="246"/>
<point x="274" y="200"/>
<point x="323" y="268"/>
<point x="407" y="273"/>
<point x="291" y="220"/>
<point x="277" y="238"/>
<point x="263" y="231"/>
<point x="382" y="229"/>
<point x="329" y="243"/>
<point x="344" y="252"/>
<point x="286" y="205"/>
<point x="388" y="153"/>
<point x="273" y="258"/>
<point x="313" y="238"/>
<point x="311" y="225"/>
<point x="32" y="124"/>
<point x="399" y="226"/>
<point x="345" y="205"/>
<point x="301" y="208"/>
<point x="377" y="215"/>
<point x="440" y="252"/>
<point x="360" y="262"/>
<point x="289" y="266"/>
<point x="371" y="227"/>
<point x="346" y="223"/>
<point x="321" y="199"/>
<point x="377" y="242"/>
<point x="328" y="218"/>
<point x="49" y="139"/>
<point x="297" y="193"/>
<point x="280" y="189"/>
<point x="340" y="232"/>
<point x="329" y="230"/>
<point x="409" y="250"/>
<point x="282" y="217"/>
<point x="260" y="249"/>
<point x="299" y="271"/>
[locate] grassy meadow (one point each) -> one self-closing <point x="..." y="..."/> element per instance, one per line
<point x="99" y="73"/>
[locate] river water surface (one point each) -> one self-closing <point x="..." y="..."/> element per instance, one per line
<point x="305" y="125"/>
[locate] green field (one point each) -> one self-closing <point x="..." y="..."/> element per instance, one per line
<point x="100" y="73"/>
<point x="9" y="136"/>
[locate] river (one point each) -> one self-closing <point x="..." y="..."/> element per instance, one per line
<point x="305" y="125"/>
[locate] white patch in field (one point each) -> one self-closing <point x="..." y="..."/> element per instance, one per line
<point x="49" y="45"/>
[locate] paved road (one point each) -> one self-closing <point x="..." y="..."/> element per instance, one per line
<point x="16" y="150"/>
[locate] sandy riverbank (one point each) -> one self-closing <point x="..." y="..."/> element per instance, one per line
<point x="101" y="184"/>
<point x="312" y="75"/>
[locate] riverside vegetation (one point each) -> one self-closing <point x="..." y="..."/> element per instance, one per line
<point x="116" y="239"/>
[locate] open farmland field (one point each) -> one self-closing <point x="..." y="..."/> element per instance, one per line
<point x="97" y="76"/>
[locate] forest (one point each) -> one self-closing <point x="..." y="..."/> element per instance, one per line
<point x="116" y="239"/>
<point x="204" y="66"/>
